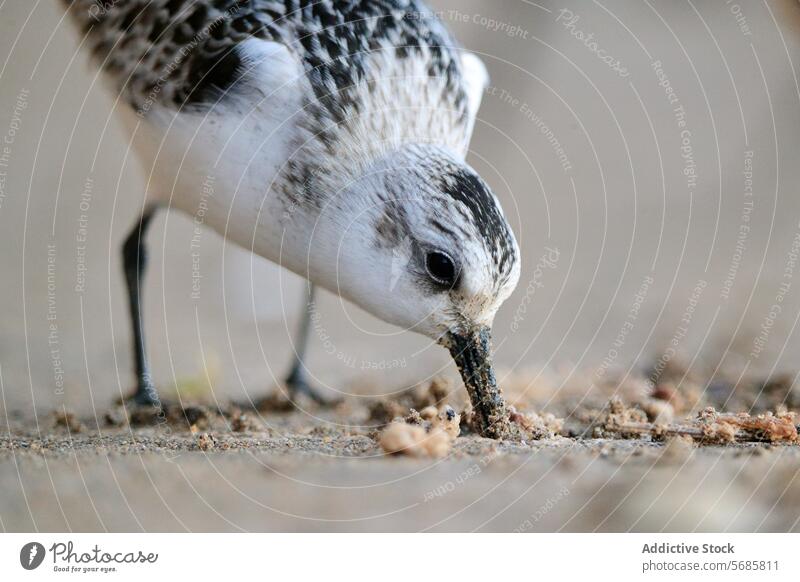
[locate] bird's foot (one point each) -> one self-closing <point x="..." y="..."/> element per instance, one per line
<point x="299" y="386"/>
<point x="141" y="408"/>
<point x="145" y="395"/>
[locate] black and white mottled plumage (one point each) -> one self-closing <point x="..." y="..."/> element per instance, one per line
<point x="335" y="132"/>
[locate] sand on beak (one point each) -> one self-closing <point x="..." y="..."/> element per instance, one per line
<point x="471" y="350"/>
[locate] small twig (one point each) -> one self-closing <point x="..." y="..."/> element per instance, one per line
<point x="710" y="426"/>
<point x="668" y="430"/>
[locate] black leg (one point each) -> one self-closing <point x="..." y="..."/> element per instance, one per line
<point x="298" y="382"/>
<point x="134" y="256"/>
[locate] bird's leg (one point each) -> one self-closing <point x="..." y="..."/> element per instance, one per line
<point x="297" y="381"/>
<point x="134" y="256"/>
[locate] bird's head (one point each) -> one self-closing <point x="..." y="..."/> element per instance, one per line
<point x="423" y="244"/>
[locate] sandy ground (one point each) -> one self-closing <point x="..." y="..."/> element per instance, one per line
<point x="203" y="469"/>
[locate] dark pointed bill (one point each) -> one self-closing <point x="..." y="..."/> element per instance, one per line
<point x="471" y="351"/>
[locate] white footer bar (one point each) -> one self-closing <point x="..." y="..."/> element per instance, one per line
<point x="406" y="557"/>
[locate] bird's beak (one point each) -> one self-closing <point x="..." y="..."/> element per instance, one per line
<point x="471" y="350"/>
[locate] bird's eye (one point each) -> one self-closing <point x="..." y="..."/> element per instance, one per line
<point x="441" y="268"/>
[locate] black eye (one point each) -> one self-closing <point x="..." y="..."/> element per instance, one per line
<point x="441" y="268"/>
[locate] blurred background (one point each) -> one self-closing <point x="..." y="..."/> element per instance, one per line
<point x="646" y="154"/>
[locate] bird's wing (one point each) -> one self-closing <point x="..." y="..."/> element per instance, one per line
<point x="180" y="55"/>
<point x="476" y="80"/>
<point x="267" y="70"/>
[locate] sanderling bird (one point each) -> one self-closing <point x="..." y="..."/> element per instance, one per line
<point x="336" y="133"/>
